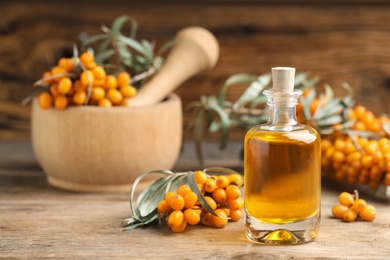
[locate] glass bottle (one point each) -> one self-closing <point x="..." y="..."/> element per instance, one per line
<point x="282" y="171"/>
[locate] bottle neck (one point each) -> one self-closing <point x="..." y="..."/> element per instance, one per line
<point x="282" y="107"/>
<point x="282" y="115"/>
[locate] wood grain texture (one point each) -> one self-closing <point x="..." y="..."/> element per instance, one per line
<point x="338" y="41"/>
<point x="37" y="221"/>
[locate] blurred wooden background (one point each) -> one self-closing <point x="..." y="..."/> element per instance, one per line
<point x="336" y="40"/>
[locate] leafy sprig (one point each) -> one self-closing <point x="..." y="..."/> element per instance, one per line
<point x="144" y="207"/>
<point x="217" y="114"/>
<point x="138" y="57"/>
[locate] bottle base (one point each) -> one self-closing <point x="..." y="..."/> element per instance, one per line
<point x="282" y="234"/>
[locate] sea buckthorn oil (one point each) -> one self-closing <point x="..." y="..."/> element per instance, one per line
<point x="282" y="171"/>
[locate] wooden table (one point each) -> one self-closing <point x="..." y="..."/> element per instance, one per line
<point x="38" y="221"/>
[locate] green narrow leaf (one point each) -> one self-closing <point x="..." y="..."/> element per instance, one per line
<point x="104" y="46"/>
<point x="300" y="78"/>
<point x="335" y="119"/>
<point x="348" y="88"/>
<point x="225" y="120"/>
<point x="198" y="135"/>
<point x="259" y="100"/>
<point x="366" y="134"/>
<point x="130" y="223"/>
<point x="94" y="39"/>
<point x="152" y="195"/>
<point x="332" y="107"/>
<point x="214" y="126"/>
<point x="253" y="91"/>
<point x="136" y="46"/>
<point x="234" y="79"/>
<point x="133" y="188"/>
<point x="306" y="101"/>
<point x="194" y="187"/>
<point x="328" y="92"/>
<point x="119" y="22"/>
<point x="104" y="55"/>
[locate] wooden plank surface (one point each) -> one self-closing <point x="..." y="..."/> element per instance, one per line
<point x="40" y="222"/>
<point x="338" y="41"/>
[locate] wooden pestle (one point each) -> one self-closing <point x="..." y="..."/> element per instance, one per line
<point x="195" y="51"/>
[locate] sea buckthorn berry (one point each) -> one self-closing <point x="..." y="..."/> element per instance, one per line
<point x="368" y="214"/>
<point x="114" y="96"/>
<point x="219" y="195"/>
<point x="58" y="72"/>
<point x="97" y="93"/>
<point x="87" y="59"/>
<point x="64" y="85"/>
<point x="99" y="83"/>
<point x="99" y="73"/>
<point x="349" y="215"/>
<point x="339" y="144"/>
<point x="370" y="206"/>
<point x="177" y="202"/>
<point x="60" y="102"/>
<point x="211" y="202"/>
<point x="183" y="190"/>
<point x="233" y="192"/>
<point x="190" y="199"/>
<point x="163" y="207"/>
<point x="207" y="219"/>
<point x="339" y="210"/>
<point x="359" y="205"/>
<point x="235" y="215"/>
<point x="227" y="210"/>
<point x="235" y="179"/>
<point x="236" y="204"/>
<point x="191" y="216"/>
<point x="45" y="100"/>
<point x="210" y="185"/>
<point x="104" y="102"/>
<point x="79" y="97"/>
<point x="110" y="82"/>
<point x="360" y="111"/>
<point x="367" y="161"/>
<point x="46" y="77"/>
<point x="87" y="78"/>
<point x="346" y="199"/>
<point x="54" y="89"/>
<point x="180" y="228"/>
<point x="221" y="220"/>
<point x="168" y="196"/>
<point x="200" y="177"/>
<point x="78" y="86"/>
<point x="128" y="91"/>
<point x="198" y="210"/>
<point x="325" y="144"/>
<point x="66" y="63"/>
<point x="176" y="218"/>
<point x="222" y="181"/>
<point x="338" y="156"/>
<point x="125" y="102"/>
<point x="123" y="79"/>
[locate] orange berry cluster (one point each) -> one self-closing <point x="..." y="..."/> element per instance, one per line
<point x="352" y="208"/>
<point x="80" y="81"/>
<point x="366" y="120"/>
<point x="222" y="194"/>
<point x="357" y="160"/>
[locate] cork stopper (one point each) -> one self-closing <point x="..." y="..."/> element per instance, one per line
<point x="283" y="79"/>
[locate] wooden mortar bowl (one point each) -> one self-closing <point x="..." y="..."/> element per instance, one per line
<point x="98" y="149"/>
<point x="94" y="149"/>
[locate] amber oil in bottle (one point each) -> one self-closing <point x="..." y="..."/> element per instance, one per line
<point x="282" y="171"/>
